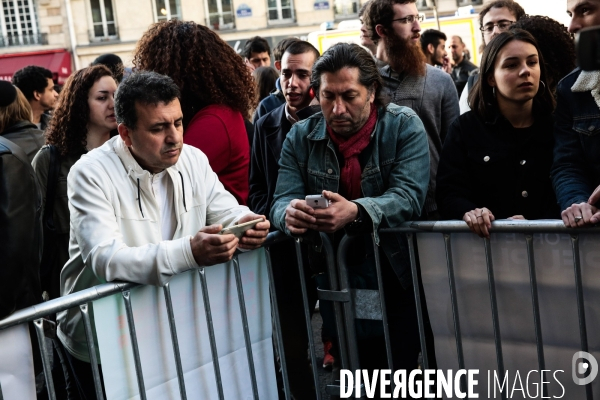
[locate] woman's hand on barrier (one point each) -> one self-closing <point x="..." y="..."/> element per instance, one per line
<point x="299" y="217"/>
<point x="210" y="248"/>
<point x="579" y="215"/>
<point x="255" y="237"/>
<point x="339" y="213"/>
<point x="479" y="221"/>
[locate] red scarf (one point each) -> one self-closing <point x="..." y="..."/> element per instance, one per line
<point x="350" y="148"/>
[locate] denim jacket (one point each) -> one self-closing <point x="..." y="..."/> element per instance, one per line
<point x="394" y="180"/>
<point x="576" y="167"/>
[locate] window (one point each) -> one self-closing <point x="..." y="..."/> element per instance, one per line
<point x="103" y="19"/>
<point x="280" y="11"/>
<point x="220" y="14"/>
<point x="462" y="3"/>
<point x="166" y="9"/>
<point x="18" y="23"/>
<point x="426" y="4"/>
<point x="345" y="8"/>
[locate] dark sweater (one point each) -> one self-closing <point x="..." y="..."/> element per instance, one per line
<point x="494" y="165"/>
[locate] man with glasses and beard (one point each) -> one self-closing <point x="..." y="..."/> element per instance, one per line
<point x="409" y="81"/>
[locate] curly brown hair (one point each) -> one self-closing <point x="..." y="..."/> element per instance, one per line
<point x="556" y="43"/>
<point x="68" y="127"/>
<point x="206" y="69"/>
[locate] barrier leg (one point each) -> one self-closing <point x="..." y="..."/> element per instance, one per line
<point x="386" y="328"/>
<point x="240" y="290"/>
<point x="1" y="395"/>
<point x="175" y="341"/>
<point x="536" y="306"/>
<point x="134" y="344"/>
<point x="89" y="335"/>
<point x="39" y="329"/>
<point x="417" y="290"/>
<point x="275" y="312"/>
<point x="580" y="305"/>
<point x="494" y="304"/>
<point x="307" y="316"/>
<point x="455" y="315"/>
<point x="211" y="333"/>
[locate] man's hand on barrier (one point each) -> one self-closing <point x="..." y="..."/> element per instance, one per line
<point x="255" y="237"/>
<point x="479" y="221"/>
<point x="299" y="217"/>
<point x="339" y="213"/>
<point x="210" y="248"/>
<point x="582" y="214"/>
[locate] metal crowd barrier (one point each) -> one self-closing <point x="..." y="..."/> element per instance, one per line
<point x="349" y="304"/>
<point x="528" y="229"/>
<point x="84" y="298"/>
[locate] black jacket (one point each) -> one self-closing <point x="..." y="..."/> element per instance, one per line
<point x="20" y="230"/>
<point x="492" y="164"/>
<point x="269" y="133"/>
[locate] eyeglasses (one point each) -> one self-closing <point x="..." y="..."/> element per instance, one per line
<point x="409" y="19"/>
<point x="502" y="26"/>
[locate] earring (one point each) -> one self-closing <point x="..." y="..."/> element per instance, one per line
<point x="494" y="91"/>
<point x="543" y="86"/>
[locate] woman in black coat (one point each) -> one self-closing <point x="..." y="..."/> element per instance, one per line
<point x="496" y="159"/>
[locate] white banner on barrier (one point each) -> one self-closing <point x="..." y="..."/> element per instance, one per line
<point x="16" y="367"/>
<point x="154" y="338"/>
<point x="558" y="308"/>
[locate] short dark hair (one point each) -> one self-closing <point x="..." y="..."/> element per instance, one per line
<point x="512" y="6"/>
<point x="32" y="79"/>
<point x="144" y="87"/>
<point x="381" y="12"/>
<point x="301" y="47"/>
<point x="113" y="62"/>
<point x="256" y="44"/>
<point x="431" y="36"/>
<point x="481" y="98"/>
<point x="282" y="47"/>
<point x="349" y="55"/>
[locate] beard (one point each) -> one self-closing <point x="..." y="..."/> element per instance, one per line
<point x="404" y="56"/>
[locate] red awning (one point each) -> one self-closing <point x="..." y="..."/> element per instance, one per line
<point x="57" y="61"/>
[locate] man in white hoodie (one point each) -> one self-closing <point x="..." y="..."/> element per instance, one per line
<point x="144" y="207"/>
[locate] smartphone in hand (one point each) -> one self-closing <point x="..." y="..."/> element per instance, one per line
<point x="238" y="230"/>
<point x="317" y="201"/>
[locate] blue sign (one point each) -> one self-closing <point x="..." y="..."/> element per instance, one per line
<point x="243" y="10"/>
<point x="321" y="5"/>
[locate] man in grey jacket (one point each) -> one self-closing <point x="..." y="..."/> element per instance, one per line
<point x="409" y="81"/>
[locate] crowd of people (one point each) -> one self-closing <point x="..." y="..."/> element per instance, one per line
<point x="133" y="178"/>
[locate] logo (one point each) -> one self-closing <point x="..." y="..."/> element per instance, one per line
<point x="585" y="368"/>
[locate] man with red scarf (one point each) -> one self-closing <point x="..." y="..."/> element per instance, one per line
<point x="371" y="162"/>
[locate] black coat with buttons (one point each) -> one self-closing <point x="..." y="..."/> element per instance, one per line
<point x="492" y="164"/>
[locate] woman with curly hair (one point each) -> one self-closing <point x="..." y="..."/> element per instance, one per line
<point x="83" y="120"/>
<point x="556" y="43"/>
<point x="217" y="94"/>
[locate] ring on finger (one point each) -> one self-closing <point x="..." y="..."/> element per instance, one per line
<point x="480" y="216"/>
<point x="578" y="218"/>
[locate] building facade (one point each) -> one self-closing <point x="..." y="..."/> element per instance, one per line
<point x="84" y="29"/>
